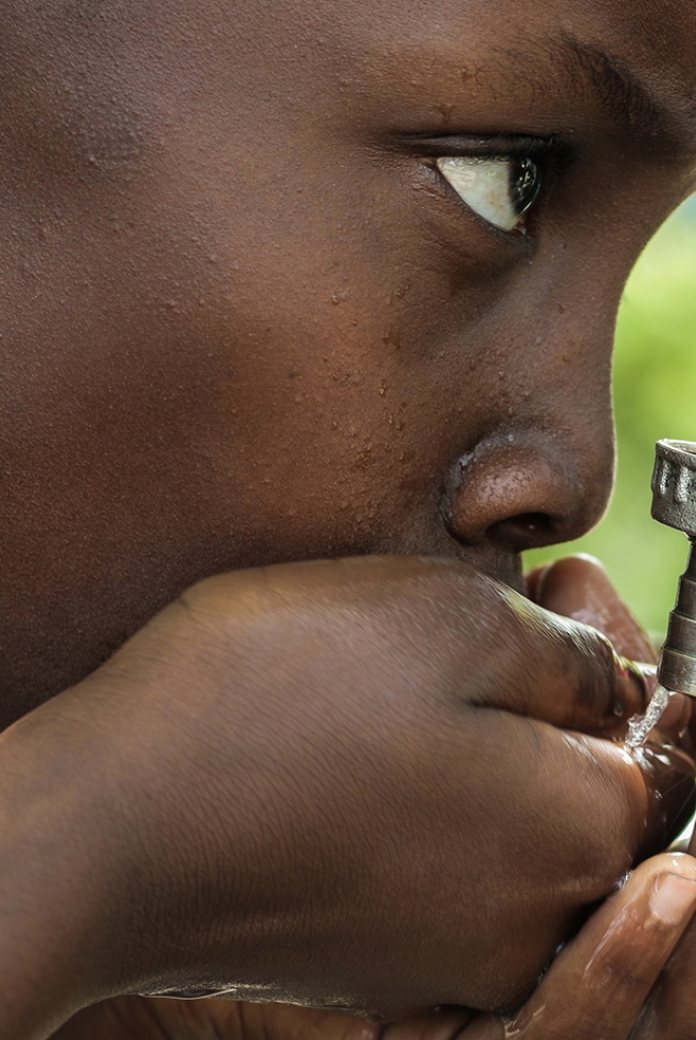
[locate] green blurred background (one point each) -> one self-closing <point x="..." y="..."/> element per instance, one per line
<point x="655" y="396"/>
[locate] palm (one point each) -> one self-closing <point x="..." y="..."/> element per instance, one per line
<point x="148" y="1019"/>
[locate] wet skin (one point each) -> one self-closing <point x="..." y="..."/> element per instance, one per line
<point x="244" y="319"/>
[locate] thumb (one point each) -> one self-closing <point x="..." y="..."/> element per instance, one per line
<point x="557" y="670"/>
<point x="578" y="587"/>
<point x="600" y="982"/>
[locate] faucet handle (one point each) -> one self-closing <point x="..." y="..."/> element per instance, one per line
<point x="674" y="486"/>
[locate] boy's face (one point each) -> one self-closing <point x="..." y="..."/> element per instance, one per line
<point x="245" y="318"/>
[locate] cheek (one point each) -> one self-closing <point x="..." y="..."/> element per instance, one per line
<point x="183" y="396"/>
<point x="188" y="388"/>
<point x="365" y="373"/>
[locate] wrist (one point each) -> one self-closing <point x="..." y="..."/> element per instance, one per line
<point x="54" y="898"/>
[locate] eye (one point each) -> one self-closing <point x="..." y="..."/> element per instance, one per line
<point x="499" y="189"/>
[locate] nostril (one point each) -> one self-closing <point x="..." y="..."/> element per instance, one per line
<point x="527" y="527"/>
<point x="523" y="494"/>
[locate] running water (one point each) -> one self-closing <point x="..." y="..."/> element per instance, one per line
<point x="640" y="725"/>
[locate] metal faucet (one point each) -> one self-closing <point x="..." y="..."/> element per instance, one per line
<point x="674" y="504"/>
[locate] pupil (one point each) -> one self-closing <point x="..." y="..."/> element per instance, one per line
<point x="524" y="184"/>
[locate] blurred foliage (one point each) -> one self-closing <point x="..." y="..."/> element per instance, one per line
<point x="655" y="397"/>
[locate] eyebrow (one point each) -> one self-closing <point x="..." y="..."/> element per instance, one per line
<point x="630" y="102"/>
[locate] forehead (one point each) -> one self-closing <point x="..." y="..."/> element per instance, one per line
<point x="657" y="32"/>
<point x="440" y="54"/>
<point x="520" y="55"/>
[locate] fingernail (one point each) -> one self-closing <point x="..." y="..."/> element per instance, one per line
<point x="673" y="898"/>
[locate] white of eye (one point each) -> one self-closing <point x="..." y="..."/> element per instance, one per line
<point x="500" y="190"/>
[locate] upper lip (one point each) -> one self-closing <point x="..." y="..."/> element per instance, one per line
<point x="496" y="562"/>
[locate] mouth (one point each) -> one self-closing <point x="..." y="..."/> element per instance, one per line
<point x="495" y="561"/>
<point x="504" y="567"/>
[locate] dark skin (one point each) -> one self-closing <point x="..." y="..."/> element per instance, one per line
<point x="245" y="321"/>
<point x="172" y="841"/>
<point x="122" y="730"/>
<point x="180" y="385"/>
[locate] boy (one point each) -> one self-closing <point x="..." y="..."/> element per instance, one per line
<point x="298" y="283"/>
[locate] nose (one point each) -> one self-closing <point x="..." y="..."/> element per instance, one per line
<point x="524" y="491"/>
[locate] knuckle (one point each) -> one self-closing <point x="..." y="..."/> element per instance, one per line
<point x="629" y="978"/>
<point x="598" y="657"/>
<point x="596" y="670"/>
<point x="204" y="596"/>
<point x="627" y="974"/>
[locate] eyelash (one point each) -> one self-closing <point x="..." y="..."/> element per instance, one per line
<point x="551" y="156"/>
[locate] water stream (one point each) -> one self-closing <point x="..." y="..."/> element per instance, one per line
<point x="640" y="725"/>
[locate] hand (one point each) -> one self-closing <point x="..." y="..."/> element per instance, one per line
<point x="579" y="588"/>
<point x="603" y="985"/>
<point x="610" y="983"/>
<point x="152" y="1019"/>
<point x="319" y="782"/>
<point x="670" y="1009"/>
<point x="600" y="984"/>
